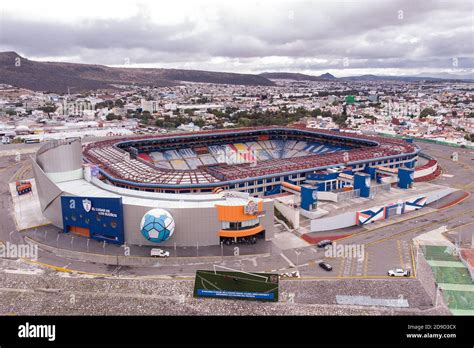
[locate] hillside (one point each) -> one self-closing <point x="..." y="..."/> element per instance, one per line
<point x="296" y="76"/>
<point x="58" y="76"/>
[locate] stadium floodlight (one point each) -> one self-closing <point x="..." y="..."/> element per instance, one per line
<point x="240" y="271"/>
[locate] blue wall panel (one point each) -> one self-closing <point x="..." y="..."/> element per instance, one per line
<point x="102" y="216"/>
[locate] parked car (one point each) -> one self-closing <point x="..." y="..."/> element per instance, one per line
<point x="155" y="252"/>
<point x="326" y="266"/>
<point x="323" y="243"/>
<point x="399" y="272"/>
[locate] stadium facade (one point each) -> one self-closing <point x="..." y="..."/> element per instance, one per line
<point x="214" y="186"/>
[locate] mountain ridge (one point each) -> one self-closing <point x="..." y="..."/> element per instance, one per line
<point x="58" y="76"/>
<point x="366" y="77"/>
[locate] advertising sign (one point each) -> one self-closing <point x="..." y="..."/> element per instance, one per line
<point x="236" y="285"/>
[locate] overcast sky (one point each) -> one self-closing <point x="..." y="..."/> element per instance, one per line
<point x="341" y="37"/>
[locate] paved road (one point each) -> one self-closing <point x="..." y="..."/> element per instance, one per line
<point x="387" y="247"/>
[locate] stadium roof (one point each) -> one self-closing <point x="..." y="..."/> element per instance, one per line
<point x="117" y="165"/>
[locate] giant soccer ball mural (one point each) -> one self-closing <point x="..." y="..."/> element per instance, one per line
<point x="157" y="225"/>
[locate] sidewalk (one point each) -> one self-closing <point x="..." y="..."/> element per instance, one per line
<point x="52" y="239"/>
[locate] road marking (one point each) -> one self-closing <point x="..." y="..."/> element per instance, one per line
<point x="419" y="228"/>
<point x="287" y="260"/>
<point x="399" y="248"/>
<point x="341" y="267"/>
<point x="350" y="277"/>
<point x="457" y="227"/>
<point x="254" y="261"/>
<point x="116" y="270"/>
<point x="61" y="269"/>
<point x="366" y="262"/>
<point x="413" y="262"/>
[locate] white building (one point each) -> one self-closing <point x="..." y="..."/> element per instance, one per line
<point x="151" y="106"/>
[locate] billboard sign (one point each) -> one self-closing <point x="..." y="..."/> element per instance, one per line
<point x="236" y="285"/>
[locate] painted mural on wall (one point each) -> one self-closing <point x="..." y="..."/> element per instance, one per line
<point x="380" y="213"/>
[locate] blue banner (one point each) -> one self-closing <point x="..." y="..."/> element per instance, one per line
<point x="236" y="294"/>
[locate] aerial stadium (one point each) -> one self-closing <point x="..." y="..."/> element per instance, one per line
<point x="251" y="160"/>
<point x="209" y="187"/>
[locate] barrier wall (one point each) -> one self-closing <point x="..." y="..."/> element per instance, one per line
<point x="292" y="215"/>
<point x="376" y="213"/>
<point x="428" y="170"/>
<point x="334" y="222"/>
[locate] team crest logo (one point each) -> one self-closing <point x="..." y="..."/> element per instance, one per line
<point x="87" y="204"/>
<point x="251" y="208"/>
<point x="314" y="194"/>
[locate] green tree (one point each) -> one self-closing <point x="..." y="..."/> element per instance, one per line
<point x="427" y="112"/>
<point x="48" y="108"/>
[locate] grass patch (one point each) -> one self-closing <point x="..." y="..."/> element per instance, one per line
<point x="459" y="299"/>
<point x="439" y="253"/>
<point x="452" y="275"/>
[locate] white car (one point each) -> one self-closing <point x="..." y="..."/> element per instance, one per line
<point x="159" y="253"/>
<point x="294" y="274"/>
<point x="399" y="273"/>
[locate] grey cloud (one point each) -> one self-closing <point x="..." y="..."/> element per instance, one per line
<point x="369" y="33"/>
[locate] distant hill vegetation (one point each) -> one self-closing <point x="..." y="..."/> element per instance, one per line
<point x="57" y="76"/>
<point x="329" y="77"/>
<point x="296" y="76"/>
